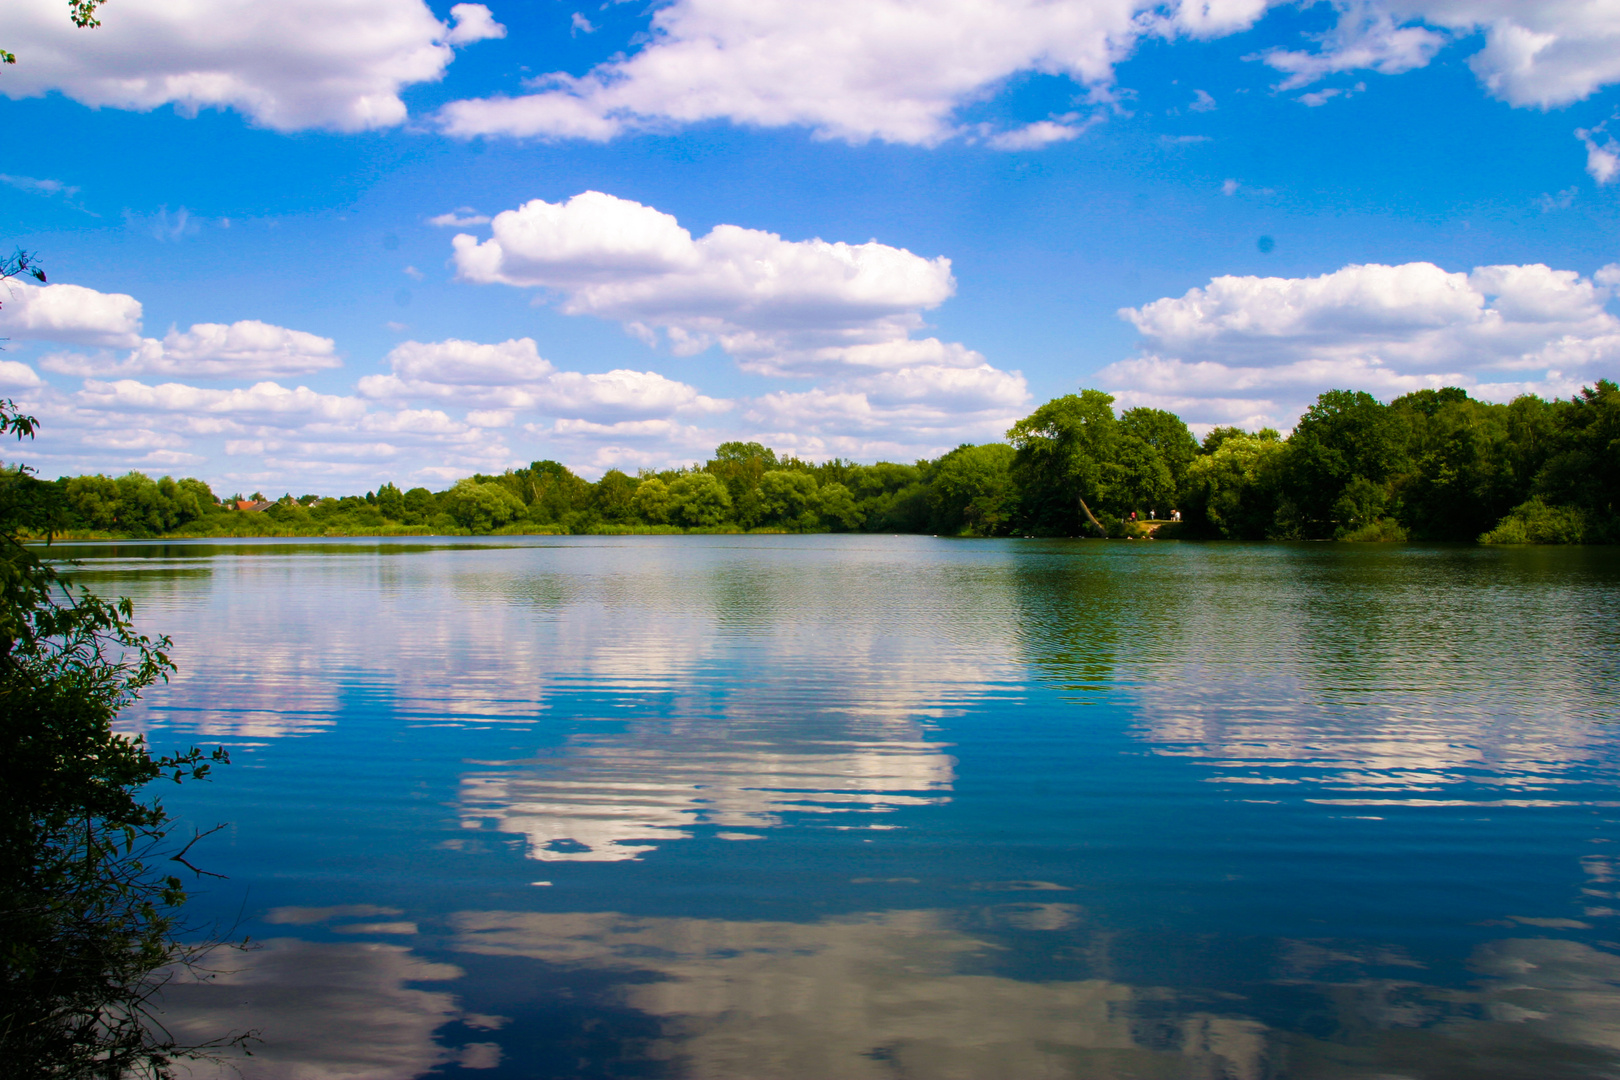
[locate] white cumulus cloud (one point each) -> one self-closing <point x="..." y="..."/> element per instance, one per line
<point x="1252" y="349"/>
<point x="289" y="65"/>
<point x="913" y="412"/>
<point x="856" y="70"/>
<point x="900" y="70"/>
<point x="70" y="314"/>
<point x="513" y="375"/>
<point x="779" y="306"/>
<point x="249" y="349"/>
<point x="1602" y="159"/>
<point x="1537" y="53"/>
<point x="262" y="401"/>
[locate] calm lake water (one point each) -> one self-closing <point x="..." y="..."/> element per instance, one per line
<point x="838" y="807"/>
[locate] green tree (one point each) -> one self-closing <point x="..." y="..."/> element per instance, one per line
<point x="787" y="498"/>
<point x="652" y="501"/>
<point x="699" y="501"/>
<point x="613" y="497"/>
<point x="95" y="499"/>
<point x="482" y="507"/>
<point x="1344" y="437"/>
<point x="420" y="506"/>
<point x="971" y="490"/>
<point x="1461" y="475"/>
<point x="548" y="488"/>
<point x="1233" y="491"/>
<point x="1173" y="451"/>
<point x="836" y="506"/>
<point x="740" y="465"/>
<point x="1583" y="469"/>
<point x="391" y="502"/>
<point x="1064" y="462"/>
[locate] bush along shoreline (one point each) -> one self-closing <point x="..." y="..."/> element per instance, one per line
<point x="1431" y="465"/>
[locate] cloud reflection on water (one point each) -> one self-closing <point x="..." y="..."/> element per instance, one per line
<point x="322" y="1011"/>
<point x="611" y="798"/>
<point x="878" y="995"/>
<point x="902" y="993"/>
<point x="1374" y="677"/>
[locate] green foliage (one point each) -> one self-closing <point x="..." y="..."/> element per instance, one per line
<point x="613" y="497"/>
<point x="134" y="504"/>
<point x="971" y="491"/>
<point x="699" y="501"/>
<point x="741" y="466"/>
<point x="1380" y="531"/>
<point x="1463" y="473"/>
<point x="1431" y="465"/>
<point x="1065" y="456"/>
<point x="1534" y="522"/>
<point x="390" y="502"/>
<point x="1582" y="468"/>
<point x="1233" y="491"/>
<point x="652" y="501"/>
<point x="788" y="499"/>
<point x="1347" y="444"/>
<point x="88" y="916"/>
<point x="482" y="507"/>
<point x="838" y="508"/>
<point x="1157" y="450"/>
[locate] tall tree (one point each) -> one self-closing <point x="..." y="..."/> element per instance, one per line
<point x="1064" y="461"/>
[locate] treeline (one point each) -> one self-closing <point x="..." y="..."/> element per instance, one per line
<point x="1432" y="465"/>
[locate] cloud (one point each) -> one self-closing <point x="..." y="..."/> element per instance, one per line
<point x="847" y="69"/>
<point x="911" y="412"/>
<point x="1318" y="98"/>
<point x="1202" y="102"/>
<point x="45" y="188"/>
<point x="70" y="314"/>
<point x="513" y="376"/>
<point x="1040" y="134"/>
<point x="290" y="65"/>
<point x="1602" y="162"/>
<point x="779" y="306"/>
<point x="263" y="401"/>
<point x="473" y="22"/>
<point x="461" y="217"/>
<point x="164" y="226"/>
<point x="242" y="350"/>
<point x="35" y="186"/>
<point x="1367" y="37"/>
<point x="265" y="435"/>
<point x="897" y="71"/>
<point x="16" y="376"/>
<point x="1544" y="54"/>
<point x="1259" y="348"/>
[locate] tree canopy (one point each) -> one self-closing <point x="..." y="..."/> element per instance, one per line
<point x="1432" y="465"/>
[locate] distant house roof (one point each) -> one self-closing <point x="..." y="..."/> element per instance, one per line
<point x="253" y="506"/>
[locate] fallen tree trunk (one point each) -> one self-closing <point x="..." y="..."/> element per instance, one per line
<point x="1092" y="517"/>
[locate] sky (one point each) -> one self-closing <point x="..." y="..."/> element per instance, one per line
<point x="316" y="245"/>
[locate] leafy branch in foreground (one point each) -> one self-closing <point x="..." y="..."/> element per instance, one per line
<point x="82" y="13"/>
<point x="88" y="914"/>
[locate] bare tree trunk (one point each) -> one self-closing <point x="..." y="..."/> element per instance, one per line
<point x="1100" y="530"/>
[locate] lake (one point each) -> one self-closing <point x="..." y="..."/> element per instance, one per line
<point x="866" y="806"/>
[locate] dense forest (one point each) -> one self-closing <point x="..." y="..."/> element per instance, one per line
<point x="1432" y="465"/>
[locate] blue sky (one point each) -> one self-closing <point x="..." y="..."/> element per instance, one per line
<point x="867" y="228"/>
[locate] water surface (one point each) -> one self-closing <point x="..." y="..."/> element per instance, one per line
<point x="851" y="806"/>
